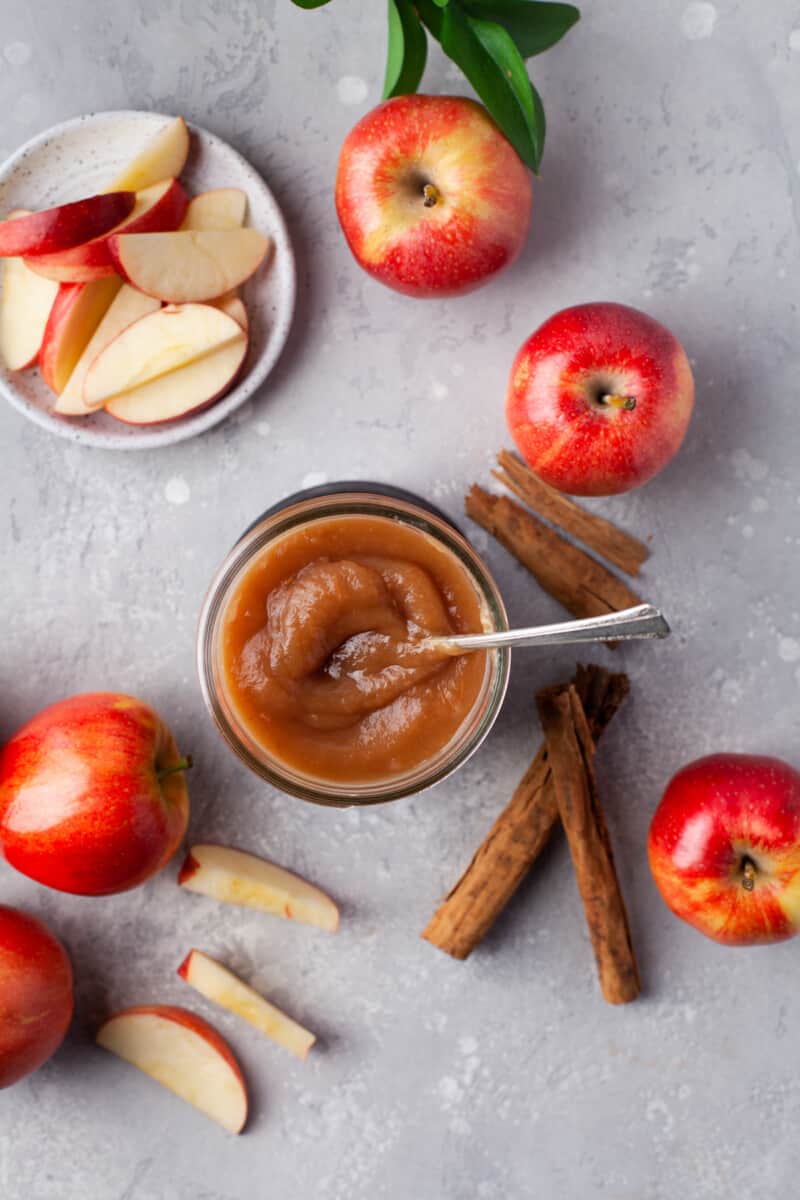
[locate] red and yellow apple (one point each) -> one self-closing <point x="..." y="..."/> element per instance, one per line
<point x="183" y="1053"/>
<point x="93" y="796"/>
<point x="35" y="994"/>
<point x="599" y="399"/>
<point x="56" y="229"/>
<point x="724" y="848"/>
<point x="432" y="198"/>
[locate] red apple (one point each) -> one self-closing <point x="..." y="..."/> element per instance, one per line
<point x="724" y="848"/>
<point x="93" y="797"/>
<point x="35" y="994"/>
<point x="59" y="228"/>
<point x="157" y="209"/>
<point x="432" y="198"/>
<point x="599" y="399"/>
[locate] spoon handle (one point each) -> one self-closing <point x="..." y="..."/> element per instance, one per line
<point x="643" y="621"/>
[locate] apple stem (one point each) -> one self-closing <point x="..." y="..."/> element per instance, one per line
<point x="748" y="874"/>
<point x="183" y="764"/>
<point x="626" y="403"/>
<point x="430" y="195"/>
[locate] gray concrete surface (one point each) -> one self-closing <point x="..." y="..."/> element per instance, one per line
<point x="671" y="181"/>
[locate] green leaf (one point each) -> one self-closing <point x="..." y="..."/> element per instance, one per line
<point x="441" y="3"/>
<point x="310" y="3"/>
<point x="487" y="55"/>
<point x="533" y="24"/>
<point x="407" y="52"/>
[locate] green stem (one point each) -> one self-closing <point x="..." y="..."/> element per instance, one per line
<point x="183" y="764"/>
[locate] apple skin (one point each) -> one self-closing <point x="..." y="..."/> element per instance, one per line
<point x="479" y="219"/>
<point x="724" y="848"/>
<point x="572" y="439"/>
<point x="92" y="260"/>
<point x="88" y="803"/>
<point x="35" y="994"/>
<point x="60" y="228"/>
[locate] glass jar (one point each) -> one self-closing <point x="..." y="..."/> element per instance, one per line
<point x="312" y="506"/>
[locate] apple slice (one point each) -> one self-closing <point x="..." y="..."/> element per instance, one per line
<point x="77" y="311"/>
<point x="183" y="391"/>
<point x="234" y="307"/>
<point x="24" y="308"/>
<point x="221" y="209"/>
<point x="157" y="208"/>
<point x="164" y="157"/>
<point x="183" y="1053"/>
<point x="235" y="877"/>
<point x="221" y="986"/>
<point x="59" y="228"/>
<point x="158" y="343"/>
<point x="127" y="306"/>
<point x="190" y="265"/>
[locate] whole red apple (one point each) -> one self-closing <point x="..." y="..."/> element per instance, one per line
<point x="35" y="994"/>
<point x="724" y="848"/>
<point x="599" y="399"/>
<point x="93" y="797"/>
<point x="432" y="198"/>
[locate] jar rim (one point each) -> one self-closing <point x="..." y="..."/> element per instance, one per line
<point x="276" y="524"/>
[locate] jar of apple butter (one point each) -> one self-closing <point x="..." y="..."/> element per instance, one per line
<point x="315" y="654"/>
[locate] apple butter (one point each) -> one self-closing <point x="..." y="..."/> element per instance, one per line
<point x="321" y="650"/>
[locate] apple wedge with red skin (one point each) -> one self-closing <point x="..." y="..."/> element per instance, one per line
<point x="183" y="1053"/>
<point x="156" y="345"/>
<point x="188" y="389"/>
<point x="158" y="209"/>
<point x="77" y="311"/>
<point x="432" y="198"/>
<point x="127" y="306"/>
<point x="56" y="229"/>
<point x="35" y="994"/>
<point x="188" y="266"/>
<point x="724" y="848"/>
<point x="93" y="796"/>
<point x="214" y="981"/>
<point x="162" y="157"/>
<point x="25" y="306"/>
<point x="599" y="399"/>
<point x="235" y="877"/>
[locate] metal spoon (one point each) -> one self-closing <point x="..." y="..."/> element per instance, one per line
<point x="643" y="621"/>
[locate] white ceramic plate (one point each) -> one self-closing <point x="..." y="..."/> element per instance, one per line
<point x="79" y="157"/>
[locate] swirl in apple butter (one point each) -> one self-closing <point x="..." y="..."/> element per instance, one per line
<point x="323" y="648"/>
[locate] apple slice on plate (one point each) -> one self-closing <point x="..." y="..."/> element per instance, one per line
<point x="127" y="306"/>
<point x="234" y="307"/>
<point x="77" y="311"/>
<point x="183" y="1053"/>
<point x="25" y="306"/>
<point x="190" y="265"/>
<point x="221" y="986"/>
<point x="186" y="390"/>
<point x="59" y="228"/>
<point x="235" y="877"/>
<point x="164" y="157"/>
<point x="161" y="342"/>
<point x="221" y="209"/>
<point x="157" y="209"/>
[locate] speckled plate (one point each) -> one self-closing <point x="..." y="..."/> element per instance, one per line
<point x="79" y="157"/>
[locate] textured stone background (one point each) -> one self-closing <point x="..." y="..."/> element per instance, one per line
<point x="672" y="182"/>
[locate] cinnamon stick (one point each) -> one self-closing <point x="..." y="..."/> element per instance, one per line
<point x="604" y="538"/>
<point x="570" y="751"/>
<point x="519" y="834"/>
<point x="583" y="585"/>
